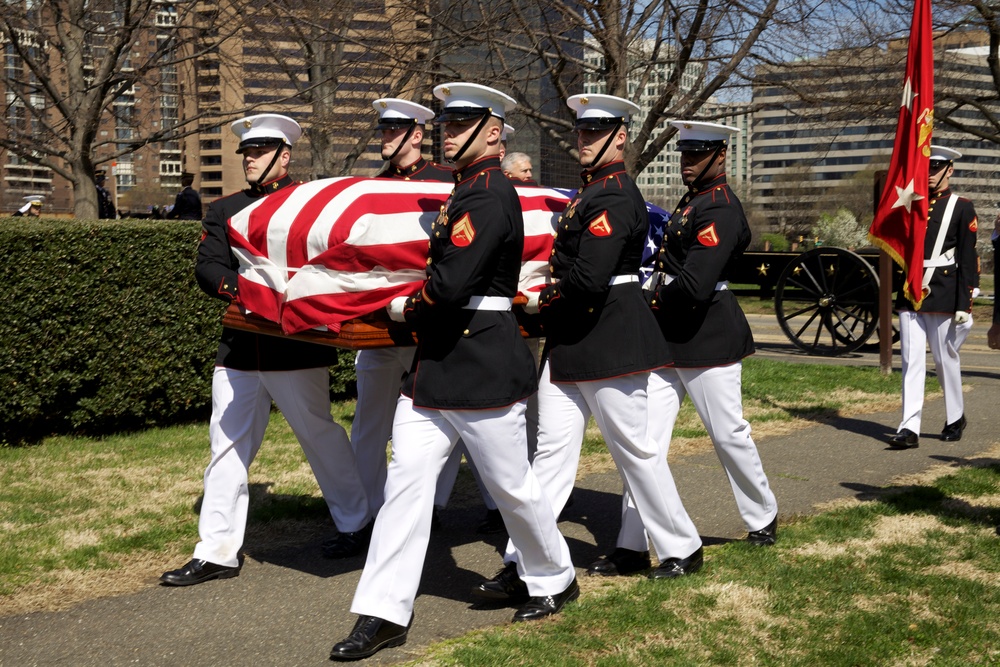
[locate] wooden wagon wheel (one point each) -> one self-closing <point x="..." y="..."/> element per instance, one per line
<point x="826" y="301"/>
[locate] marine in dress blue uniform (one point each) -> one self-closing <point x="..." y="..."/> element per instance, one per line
<point x="32" y="206"/>
<point x="951" y="275"/>
<point x="707" y="334"/>
<point x="470" y="377"/>
<point x="602" y="342"/>
<point x="380" y="371"/>
<point x="251" y="370"/>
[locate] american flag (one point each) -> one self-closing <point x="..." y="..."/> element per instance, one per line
<point x="654" y="239"/>
<point x="317" y="254"/>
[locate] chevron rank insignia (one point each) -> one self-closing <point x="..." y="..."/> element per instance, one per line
<point x="974" y="225"/>
<point x="600" y="226"/>
<point x="708" y="236"/>
<point x="462" y="232"/>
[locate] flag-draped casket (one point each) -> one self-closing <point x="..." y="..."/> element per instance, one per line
<point x="318" y="256"/>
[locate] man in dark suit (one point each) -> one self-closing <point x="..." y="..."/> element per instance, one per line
<point x="469" y="380"/>
<point x="253" y="369"/>
<point x="944" y="317"/>
<point x="187" y="203"/>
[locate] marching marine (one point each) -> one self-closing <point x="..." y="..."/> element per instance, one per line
<point x="601" y="343"/>
<point x="707" y="334"/>
<point x="944" y="318"/>
<point x="253" y="369"/>
<point x="470" y="378"/>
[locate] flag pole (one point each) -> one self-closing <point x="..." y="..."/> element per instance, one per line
<point x="900" y="221"/>
<point x="884" y="289"/>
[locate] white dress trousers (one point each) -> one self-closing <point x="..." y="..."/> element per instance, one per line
<point x="422" y="440"/>
<point x="619" y="406"/>
<point x="379" y="374"/>
<point x="916" y="331"/>
<point x="241" y="406"/>
<point x="446" y="481"/>
<point x="716" y="393"/>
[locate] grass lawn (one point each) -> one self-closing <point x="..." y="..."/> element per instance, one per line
<point x="84" y="517"/>
<point x="910" y="579"/>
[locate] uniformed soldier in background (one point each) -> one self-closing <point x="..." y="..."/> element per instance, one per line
<point x="32" y="206"/>
<point x="252" y="369"/>
<point x="105" y="206"/>
<point x="601" y="342"/>
<point x="470" y="379"/>
<point x="708" y="336"/>
<point x="187" y="203"/>
<point x="951" y="274"/>
<point x="380" y="371"/>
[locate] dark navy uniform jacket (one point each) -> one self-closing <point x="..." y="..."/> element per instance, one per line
<point x="471" y="359"/>
<point x="421" y="170"/>
<point x="105" y="208"/>
<point x="951" y="286"/>
<point x="703" y="239"/>
<point x="593" y="330"/>
<point x="216" y="271"/>
<point x="187" y="205"/>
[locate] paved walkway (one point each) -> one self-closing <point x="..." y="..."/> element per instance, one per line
<point x="288" y="607"/>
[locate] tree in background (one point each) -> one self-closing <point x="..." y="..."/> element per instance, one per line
<point x="72" y="68"/>
<point x="672" y="58"/>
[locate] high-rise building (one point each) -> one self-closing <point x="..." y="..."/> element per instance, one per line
<point x="823" y="127"/>
<point x="661" y="182"/>
<point x="210" y="66"/>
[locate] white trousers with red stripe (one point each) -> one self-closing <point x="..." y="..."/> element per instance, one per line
<point x="422" y="440"/>
<point x="241" y="406"/>
<point x="916" y="331"/>
<point x="619" y="406"/>
<point x="717" y="397"/>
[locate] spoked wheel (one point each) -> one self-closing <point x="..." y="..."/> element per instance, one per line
<point x="827" y="301"/>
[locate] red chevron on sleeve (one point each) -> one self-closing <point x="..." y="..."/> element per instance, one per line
<point x="708" y="236"/>
<point x="600" y="226"/>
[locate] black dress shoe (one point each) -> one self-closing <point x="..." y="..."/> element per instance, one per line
<point x="672" y="568"/>
<point x="505" y="586"/>
<point x="546" y="605"/>
<point x="620" y="562"/>
<point x="345" y="545"/>
<point x="905" y="439"/>
<point x="369" y="636"/>
<point x="197" y="571"/>
<point x="953" y="432"/>
<point x="766" y="536"/>
<point x="492" y="524"/>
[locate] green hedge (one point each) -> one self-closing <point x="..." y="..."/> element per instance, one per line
<point x="105" y="328"/>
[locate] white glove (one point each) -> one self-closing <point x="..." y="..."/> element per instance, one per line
<point x="395" y="309"/>
<point x="531" y="308"/>
<point x="975" y="292"/>
<point x="961" y="317"/>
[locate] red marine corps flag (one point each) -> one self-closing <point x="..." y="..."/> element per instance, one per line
<point x="901" y="218"/>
